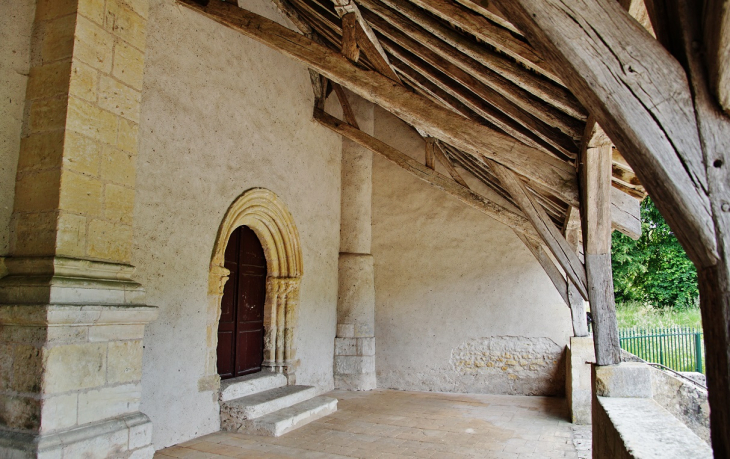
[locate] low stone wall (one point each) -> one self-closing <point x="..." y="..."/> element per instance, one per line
<point x="578" y="391"/>
<point x="686" y="401"/>
<point x="629" y="423"/>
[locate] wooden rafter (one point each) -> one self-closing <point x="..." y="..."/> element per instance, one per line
<point x="471" y="137"/>
<point x="548" y="232"/>
<point x="435" y="179"/>
<point x="401" y="13"/>
<point x="640" y="96"/>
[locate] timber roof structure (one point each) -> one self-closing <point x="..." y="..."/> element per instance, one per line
<point x="466" y="56"/>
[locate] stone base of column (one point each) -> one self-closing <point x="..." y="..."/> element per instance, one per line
<point x="71" y="344"/>
<point x="355" y="363"/>
<point x="578" y="379"/>
<point x="124" y="437"/>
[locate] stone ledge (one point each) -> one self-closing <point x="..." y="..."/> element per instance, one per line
<point x="120" y="435"/>
<point x="76" y="315"/>
<point x="646" y="430"/>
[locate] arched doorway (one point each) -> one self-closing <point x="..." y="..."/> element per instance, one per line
<point x="266" y="215"/>
<point x="241" y="325"/>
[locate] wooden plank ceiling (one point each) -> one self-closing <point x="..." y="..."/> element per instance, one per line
<point x="466" y="56"/>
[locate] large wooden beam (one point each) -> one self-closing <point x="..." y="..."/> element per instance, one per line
<point x="418" y="111"/>
<point x="686" y="31"/>
<point x="625" y="214"/>
<point x="639" y="94"/>
<point x="572" y="232"/>
<point x="549" y="234"/>
<point x="595" y="176"/>
<point x="717" y="49"/>
<point x="503" y="215"/>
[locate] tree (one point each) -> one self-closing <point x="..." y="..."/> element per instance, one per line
<point x="654" y="269"/>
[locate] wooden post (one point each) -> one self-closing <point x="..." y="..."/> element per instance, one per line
<point x="595" y="185"/>
<point x="575" y="301"/>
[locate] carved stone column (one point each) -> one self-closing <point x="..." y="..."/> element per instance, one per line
<point x="354" y="365"/>
<point x="71" y="317"/>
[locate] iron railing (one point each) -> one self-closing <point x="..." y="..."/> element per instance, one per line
<point x="679" y="348"/>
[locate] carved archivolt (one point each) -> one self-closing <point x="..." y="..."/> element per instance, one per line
<point x="263" y="212"/>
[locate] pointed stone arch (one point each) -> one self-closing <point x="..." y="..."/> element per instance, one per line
<point x="267" y="215"/>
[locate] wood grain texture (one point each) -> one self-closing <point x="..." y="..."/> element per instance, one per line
<point x="468" y="71"/>
<point x="716" y="27"/>
<point x="595" y="213"/>
<point x="418" y="111"/>
<point x="488" y="32"/>
<point x="349" y="42"/>
<point x="430" y="154"/>
<point x="640" y="96"/>
<point x="548" y="90"/>
<point x="347" y="111"/>
<point x="501" y="214"/>
<point x="684" y="20"/>
<point x="549" y="234"/>
<point x="625" y="214"/>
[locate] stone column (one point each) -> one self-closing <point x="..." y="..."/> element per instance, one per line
<point x="355" y="342"/>
<point x="71" y="317"/>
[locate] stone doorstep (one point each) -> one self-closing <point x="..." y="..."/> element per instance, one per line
<point x="243" y="386"/>
<point x="263" y="403"/>
<point x="287" y="419"/>
<point x="649" y="431"/>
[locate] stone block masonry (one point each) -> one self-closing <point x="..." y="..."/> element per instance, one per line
<point x="76" y="169"/>
<point x="71" y="317"/>
<point x="508" y="365"/>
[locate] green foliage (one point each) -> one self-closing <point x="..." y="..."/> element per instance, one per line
<point x="655" y="269"/>
<point x="642" y="315"/>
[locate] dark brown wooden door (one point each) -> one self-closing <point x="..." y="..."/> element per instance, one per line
<point x="241" y="327"/>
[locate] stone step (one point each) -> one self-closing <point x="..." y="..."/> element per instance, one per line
<point x="263" y="403"/>
<point x="232" y="389"/>
<point x="287" y="419"/>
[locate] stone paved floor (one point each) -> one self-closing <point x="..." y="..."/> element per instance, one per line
<point x="394" y="424"/>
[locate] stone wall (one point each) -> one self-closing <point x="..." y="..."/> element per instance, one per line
<point x="16" y="23"/>
<point x="456" y="291"/>
<point x="222" y="114"/>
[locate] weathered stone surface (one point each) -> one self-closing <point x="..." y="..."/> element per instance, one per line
<point x="510" y="365"/>
<point x="578" y="387"/>
<point x="627" y="379"/>
<point x="74" y="367"/>
<point x="684" y="400"/>
<point x="108" y="402"/>
<point x="640" y="428"/>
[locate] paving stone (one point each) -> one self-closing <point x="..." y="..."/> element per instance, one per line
<point x="387" y="424"/>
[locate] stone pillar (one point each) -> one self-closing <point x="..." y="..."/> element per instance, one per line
<point x="578" y="378"/>
<point x="71" y="317"/>
<point x="355" y="342"/>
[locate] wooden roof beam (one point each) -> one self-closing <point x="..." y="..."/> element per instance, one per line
<point x="549" y="234"/>
<point x="716" y="27"/>
<point x="501" y="214"/>
<point x="364" y="37"/>
<point x="497" y="109"/>
<point x="546" y="89"/>
<point x="500" y="38"/>
<point x="469" y="72"/>
<point x="639" y="94"/>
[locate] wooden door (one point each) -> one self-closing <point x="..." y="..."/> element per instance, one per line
<point x="241" y="326"/>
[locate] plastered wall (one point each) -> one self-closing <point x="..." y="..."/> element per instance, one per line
<point x="222" y="114"/>
<point x="16" y="21"/>
<point x="461" y="304"/>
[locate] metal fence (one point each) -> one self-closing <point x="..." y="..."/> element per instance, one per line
<point x="679" y="348"/>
